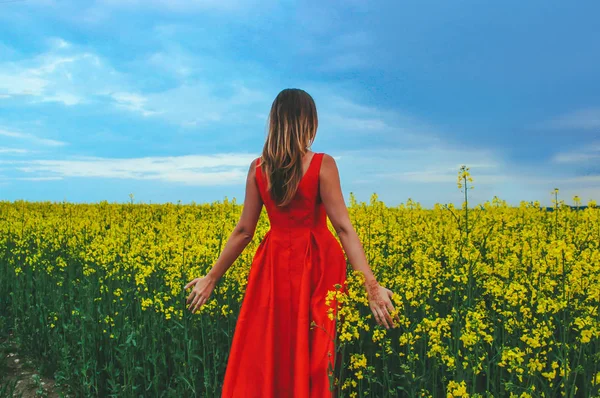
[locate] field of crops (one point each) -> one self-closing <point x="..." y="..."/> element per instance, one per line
<point x="493" y="300"/>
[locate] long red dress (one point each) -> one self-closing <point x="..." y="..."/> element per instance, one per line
<point x="275" y="353"/>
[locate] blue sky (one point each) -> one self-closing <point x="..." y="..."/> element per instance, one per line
<point x="168" y="100"/>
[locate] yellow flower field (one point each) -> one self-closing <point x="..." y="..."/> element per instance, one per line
<point x="494" y="301"/>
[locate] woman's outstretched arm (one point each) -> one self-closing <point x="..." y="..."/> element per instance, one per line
<point x="241" y="235"/>
<point x="243" y="232"/>
<point x="335" y="206"/>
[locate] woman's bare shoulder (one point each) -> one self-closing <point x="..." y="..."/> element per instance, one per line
<point x="328" y="159"/>
<point x="253" y="165"/>
<point x="328" y="165"/>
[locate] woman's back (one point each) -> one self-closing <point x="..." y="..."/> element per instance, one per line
<point x="306" y="210"/>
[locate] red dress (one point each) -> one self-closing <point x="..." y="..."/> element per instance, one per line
<point x="274" y="352"/>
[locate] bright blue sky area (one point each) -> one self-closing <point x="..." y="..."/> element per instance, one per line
<point x="168" y="100"/>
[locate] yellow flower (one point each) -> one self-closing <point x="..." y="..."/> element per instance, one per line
<point x="456" y="389"/>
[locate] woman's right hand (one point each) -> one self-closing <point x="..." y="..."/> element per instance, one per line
<point x="380" y="302"/>
<point x="201" y="292"/>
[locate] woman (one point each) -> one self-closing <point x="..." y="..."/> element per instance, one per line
<point x="275" y="351"/>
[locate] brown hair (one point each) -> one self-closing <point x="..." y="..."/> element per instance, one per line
<point x="293" y="126"/>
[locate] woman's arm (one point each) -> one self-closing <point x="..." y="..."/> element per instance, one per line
<point x="333" y="200"/>
<point x="241" y="235"/>
<point x="335" y="206"/>
<point x="243" y="232"/>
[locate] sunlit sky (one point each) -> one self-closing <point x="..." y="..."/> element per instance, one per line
<point x="168" y="100"/>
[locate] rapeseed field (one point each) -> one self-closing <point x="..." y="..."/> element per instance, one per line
<point x="494" y="301"/>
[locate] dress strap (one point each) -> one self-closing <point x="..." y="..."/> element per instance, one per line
<point x="319" y="160"/>
<point x="315" y="175"/>
<point x="316" y="165"/>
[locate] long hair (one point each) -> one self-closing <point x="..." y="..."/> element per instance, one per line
<point x="293" y="126"/>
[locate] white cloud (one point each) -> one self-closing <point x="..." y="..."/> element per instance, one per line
<point x="133" y="102"/>
<point x="566" y="180"/>
<point x="348" y="122"/>
<point x="185" y="5"/>
<point x="51" y="63"/>
<point x="218" y="169"/>
<point x="339" y="114"/>
<point x="59" y="43"/>
<point x="432" y="164"/>
<point x="429" y="174"/>
<point x="70" y="76"/>
<point x="575" y="157"/>
<point x="66" y="98"/>
<point x="16" y="82"/>
<point x="32" y="138"/>
<point x="194" y="104"/>
<point x="67" y="75"/>
<point x="583" y="119"/>
<point x="587" y="154"/>
<point x="177" y="62"/>
<point x="56" y="77"/>
<point x="13" y="150"/>
<point x="38" y="178"/>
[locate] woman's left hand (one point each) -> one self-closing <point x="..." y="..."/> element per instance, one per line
<point x="201" y="292"/>
<point x="380" y="301"/>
